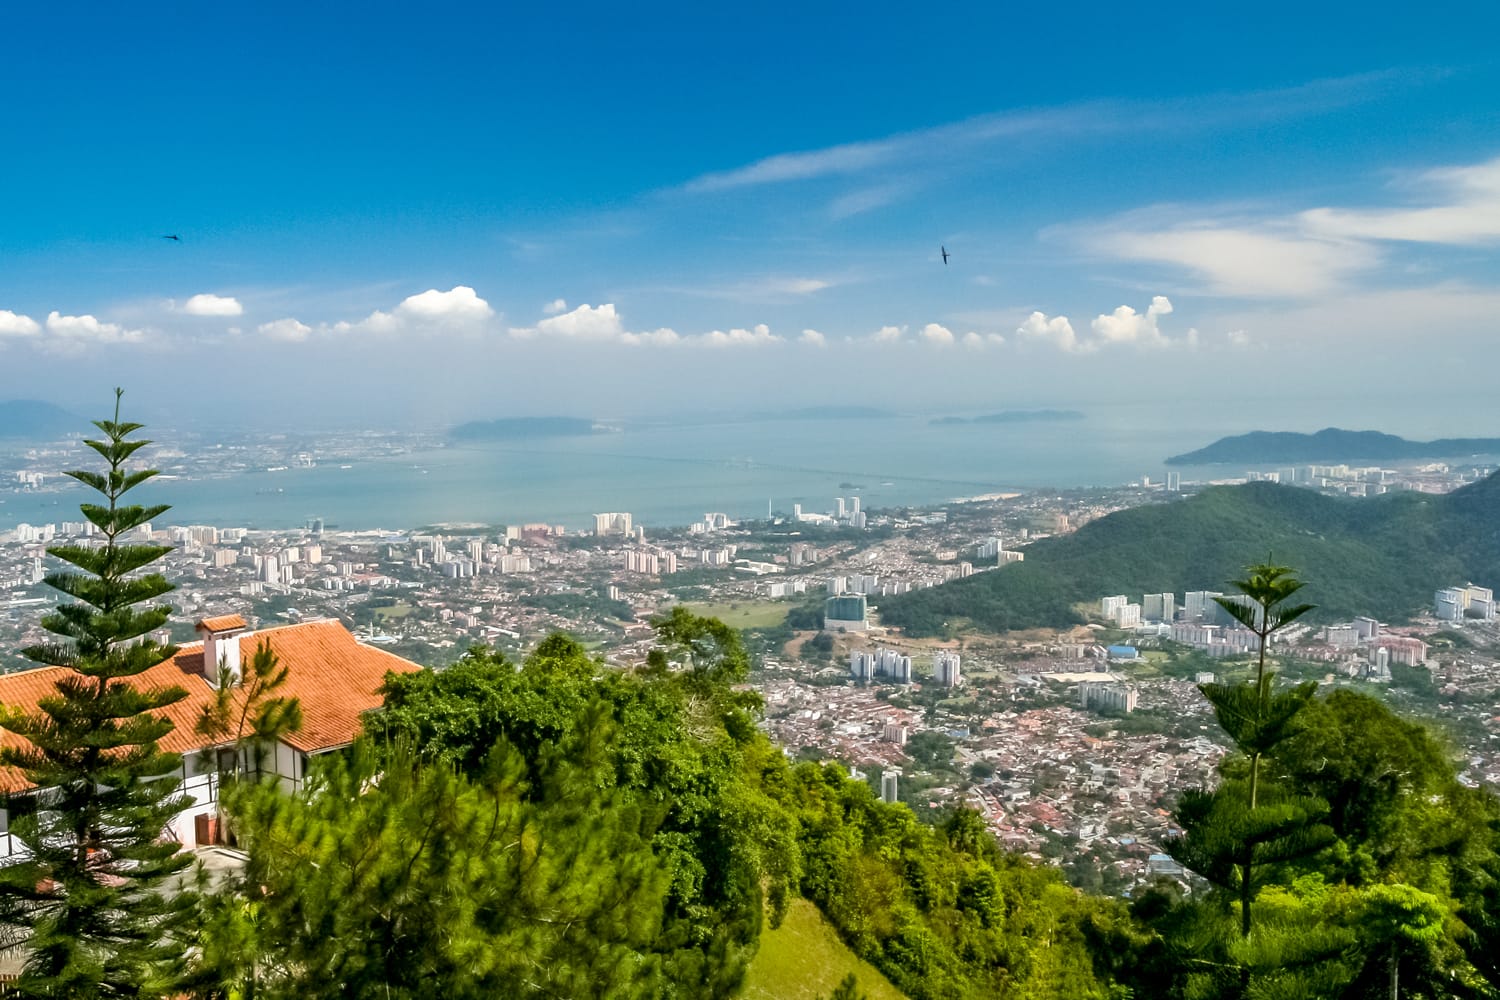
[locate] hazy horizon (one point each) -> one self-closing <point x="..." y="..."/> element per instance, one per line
<point x="540" y="212"/>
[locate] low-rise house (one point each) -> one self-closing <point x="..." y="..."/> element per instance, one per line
<point x="334" y="676"/>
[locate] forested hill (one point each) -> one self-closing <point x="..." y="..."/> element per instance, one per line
<point x="29" y="418"/>
<point x="1382" y="556"/>
<point x="1330" y="445"/>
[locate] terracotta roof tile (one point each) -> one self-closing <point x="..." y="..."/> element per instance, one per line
<point x="223" y="623"/>
<point x="333" y="674"/>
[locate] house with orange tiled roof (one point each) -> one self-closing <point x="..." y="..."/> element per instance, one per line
<point x="334" y="676"/>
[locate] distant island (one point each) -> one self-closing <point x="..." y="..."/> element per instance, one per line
<point x="526" y="428"/>
<point x="1330" y="444"/>
<point x="30" y="418"/>
<point x="1011" y="417"/>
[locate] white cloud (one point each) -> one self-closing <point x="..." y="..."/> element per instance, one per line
<point x="1466" y="213"/>
<point x="1307" y="254"/>
<point x="665" y="337"/>
<point x="756" y="336"/>
<point x="888" y="334"/>
<point x="770" y="288"/>
<point x="1238" y="338"/>
<point x="813" y="338"/>
<point x="938" y="335"/>
<point x="459" y="305"/>
<point x="1123" y="327"/>
<point x="604" y="324"/>
<point x="17" y="325"/>
<point x="460" y="309"/>
<point x="973" y="341"/>
<point x="1126" y="326"/>
<point x="88" y="329"/>
<point x="554" y="307"/>
<point x="287" y="330"/>
<point x="941" y="143"/>
<point x="865" y="200"/>
<point x="584" y="323"/>
<point x="1248" y="259"/>
<point x="795" y="286"/>
<point x="208" y="304"/>
<point x="1057" y="331"/>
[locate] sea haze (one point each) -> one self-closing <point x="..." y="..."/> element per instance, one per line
<point x="670" y="474"/>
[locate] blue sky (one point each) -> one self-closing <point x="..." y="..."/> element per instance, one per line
<point x="392" y="213"/>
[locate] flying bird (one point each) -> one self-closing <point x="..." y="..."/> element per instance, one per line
<point x="175" y="239"/>
<point x="945" y="255"/>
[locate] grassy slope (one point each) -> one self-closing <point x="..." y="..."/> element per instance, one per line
<point x="804" y="959"/>
<point x="1382" y="556"/>
<point x="743" y="614"/>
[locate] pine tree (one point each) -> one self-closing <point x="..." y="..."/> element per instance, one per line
<point x="249" y="715"/>
<point x="1242" y="833"/>
<point x="394" y="877"/>
<point x="87" y="899"/>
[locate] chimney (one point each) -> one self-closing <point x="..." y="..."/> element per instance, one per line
<point x="221" y="645"/>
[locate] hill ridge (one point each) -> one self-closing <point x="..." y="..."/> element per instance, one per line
<point x="1381" y="556"/>
<point x="1329" y="444"/>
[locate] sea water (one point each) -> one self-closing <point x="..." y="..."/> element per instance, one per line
<point x="673" y="474"/>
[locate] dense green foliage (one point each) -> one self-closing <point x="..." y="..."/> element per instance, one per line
<point x="733" y="829"/>
<point x="560" y="828"/>
<point x="580" y="603"/>
<point x="1397" y="890"/>
<point x="942" y="911"/>
<point x="685" y="748"/>
<point x="1340" y="854"/>
<point x="393" y="877"/>
<point x="1381" y="556"/>
<point x="86" y="892"/>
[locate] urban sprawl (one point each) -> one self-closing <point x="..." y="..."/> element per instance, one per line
<point x="1070" y="742"/>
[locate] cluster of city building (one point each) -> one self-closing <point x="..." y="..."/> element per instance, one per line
<point x="1455" y="604"/>
<point x="1362" y="481"/>
<point x="1038" y="727"/>
<point x="847" y="514"/>
<point x="891" y="665"/>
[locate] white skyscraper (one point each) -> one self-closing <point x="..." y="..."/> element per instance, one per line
<point x="614" y="523"/>
<point x="945" y="669"/>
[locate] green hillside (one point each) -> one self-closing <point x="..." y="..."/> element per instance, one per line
<point x="1381" y="556"/>
<point x="804" y="959"/>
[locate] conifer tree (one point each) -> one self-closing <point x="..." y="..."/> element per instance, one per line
<point x="1241" y="833"/>
<point x="86" y="900"/>
<point x="250" y="715"/>
<point x="390" y="876"/>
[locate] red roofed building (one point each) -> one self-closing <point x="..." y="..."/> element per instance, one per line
<point x="335" y="677"/>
